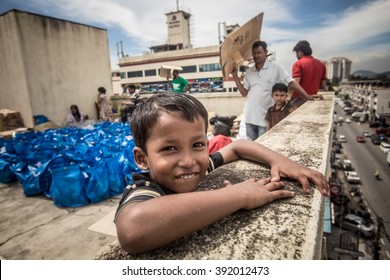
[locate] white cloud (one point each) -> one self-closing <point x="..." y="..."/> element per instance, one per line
<point x="142" y="23"/>
<point x="347" y="35"/>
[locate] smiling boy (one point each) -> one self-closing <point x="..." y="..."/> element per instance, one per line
<point x="161" y="206"/>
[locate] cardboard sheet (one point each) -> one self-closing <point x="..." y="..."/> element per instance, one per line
<point x="237" y="47"/>
<point x="166" y="70"/>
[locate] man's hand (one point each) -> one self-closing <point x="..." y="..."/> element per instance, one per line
<point x="318" y="96"/>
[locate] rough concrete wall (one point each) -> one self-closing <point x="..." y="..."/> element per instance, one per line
<point x="289" y="229"/>
<point x="64" y="64"/>
<point x="13" y="89"/>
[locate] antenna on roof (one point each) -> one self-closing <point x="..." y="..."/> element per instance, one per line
<point x="119" y="49"/>
<point x="177" y="5"/>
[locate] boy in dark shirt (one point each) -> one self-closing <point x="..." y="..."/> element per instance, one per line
<point x="170" y="135"/>
<point x="281" y="108"/>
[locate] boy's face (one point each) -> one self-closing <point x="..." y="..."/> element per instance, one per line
<point x="177" y="155"/>
<point x="279" y="97"/>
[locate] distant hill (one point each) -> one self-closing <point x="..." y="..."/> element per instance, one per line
<point x="369" y="74"/>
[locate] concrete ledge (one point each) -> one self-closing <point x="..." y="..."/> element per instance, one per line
<point x="287" y="229"/>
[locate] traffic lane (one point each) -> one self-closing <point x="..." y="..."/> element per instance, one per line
<point x="375" y="192"/>
<point x="370" y="154"/>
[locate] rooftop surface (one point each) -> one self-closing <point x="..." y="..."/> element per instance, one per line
<point x="33" y="228"/>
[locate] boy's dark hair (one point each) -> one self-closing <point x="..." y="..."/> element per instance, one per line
<point x="131" y="86"/>
<point x="101" y="90"/>
<point x="221" y="128"/>
<point x="303" y="46"/>
<point x="145" y="116"/>
<point x="259" y="44"/>
<point x="279" y="87"/>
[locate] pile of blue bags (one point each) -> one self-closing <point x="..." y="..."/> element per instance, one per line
<point x="72" y="166"/>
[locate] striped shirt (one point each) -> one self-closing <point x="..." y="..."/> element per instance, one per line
<point x="144" y="188"/>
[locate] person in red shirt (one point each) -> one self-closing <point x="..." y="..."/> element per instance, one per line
<point x="308" y="72"/>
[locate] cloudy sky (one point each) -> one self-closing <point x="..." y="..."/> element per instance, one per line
<point x="356" y="29"/>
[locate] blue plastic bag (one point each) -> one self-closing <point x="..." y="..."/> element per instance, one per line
<point x="6" y="174"/>
<point x="67" y="188"/>
<point x="34" y="179"/>
<point x="97" y="187"/>
<point x="115" y="166"/>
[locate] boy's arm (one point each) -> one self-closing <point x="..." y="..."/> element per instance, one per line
<point x="280" y="165"/>
<point x="267" y="119"/>
<point x="150" y="224"/>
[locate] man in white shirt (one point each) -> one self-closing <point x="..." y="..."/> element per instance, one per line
<point x="257" y="87"/>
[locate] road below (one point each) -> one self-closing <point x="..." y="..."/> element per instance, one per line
<point x="366" y="158"/>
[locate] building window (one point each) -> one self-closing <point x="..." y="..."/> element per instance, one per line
<point x="189" y="69"/>
<point x="210" y="67"/>
<point x="123" y="75"/>
<point x="134" y="74"/>
<point x="150" y="72"/>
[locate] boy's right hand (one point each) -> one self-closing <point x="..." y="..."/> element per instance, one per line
<point x="259" y="192"/>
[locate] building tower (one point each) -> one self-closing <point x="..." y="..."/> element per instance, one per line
<point x="179" y="37"/>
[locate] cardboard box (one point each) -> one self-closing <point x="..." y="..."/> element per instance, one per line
<point x="237" y="47"/>
<point x="166" y="70"/>
<point x="10" y="120"/>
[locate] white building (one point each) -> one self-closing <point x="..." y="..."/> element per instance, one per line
<point x="338" y="69"/>
<point x="371" y="96"/>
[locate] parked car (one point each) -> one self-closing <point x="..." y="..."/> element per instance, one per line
<point x="342" y="138"/>
<point x="360" y="139"/>
<point x="347" y="165"/>
<point x="375" y="139"/>
<point x="374" y="124"/>
<point x="384" y="147"/>
<point x="367" y="133"/>
<point x="383" y="130"/>
<point x="382" y="138"/>
<point x="352" y="177"/>
<point x="336" y="149"/>
<point x="340" y="199"/>
<point x="354" y="223"/>
<point x="348" y="120"/>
